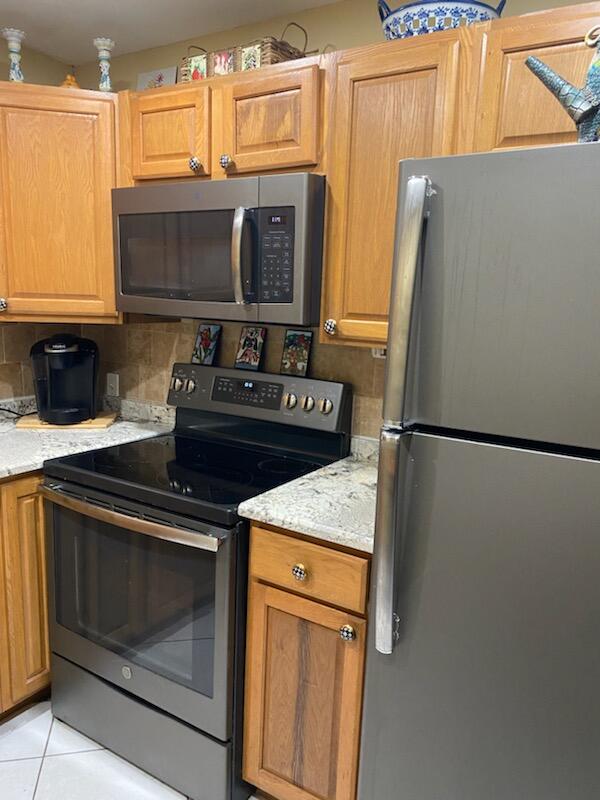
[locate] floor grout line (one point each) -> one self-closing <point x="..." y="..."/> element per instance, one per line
<point x="75" y="752"/>
<point x="19" y="758"/>
<point x="37" y="780"/>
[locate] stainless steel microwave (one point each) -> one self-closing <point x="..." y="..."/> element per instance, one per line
<point x="247" y="249"/>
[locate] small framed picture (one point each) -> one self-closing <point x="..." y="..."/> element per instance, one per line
<point x="223" y="62"/>
<point x="157" y="78"/>
<point x="296" y="352"/>
<point x="198" y="67"/>
<point x="250" y="348"/>
<point x="206" y="343"/>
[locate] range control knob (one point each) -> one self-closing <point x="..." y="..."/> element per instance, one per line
<point x="325" y="405"/>
<point x="307" y="402"/>
<point x="190" y="385"/>
<point x="290" y="400"/>
<point x="177" y="384"/>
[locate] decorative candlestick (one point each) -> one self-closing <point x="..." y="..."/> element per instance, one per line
<point x="104" y="46"/>
<point x="14" y="38"/>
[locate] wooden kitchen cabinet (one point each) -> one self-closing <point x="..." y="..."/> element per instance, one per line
<point x="24" y="649"/>
<point x="304" y="682"/>
<point x="167" y="129"/>
<point x="392" y="102"/>
<point x="57" y="169"/>
<point x="269" y="123"/>
<point x="515" y="108"/>
<point x="234" y="124"/>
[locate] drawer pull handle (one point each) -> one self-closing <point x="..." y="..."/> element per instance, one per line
<point x="299" y="572"/>
<point x="347" y="633"/>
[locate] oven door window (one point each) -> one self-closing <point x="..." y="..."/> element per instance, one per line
<point x="151" y="602"/>
<point x="183" y="255"/>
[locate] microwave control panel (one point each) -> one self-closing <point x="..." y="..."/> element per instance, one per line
<point x="276" y="243"/>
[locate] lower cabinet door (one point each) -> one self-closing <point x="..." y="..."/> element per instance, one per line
<point x="24" y="651"/>
<point x="304" y="678"/>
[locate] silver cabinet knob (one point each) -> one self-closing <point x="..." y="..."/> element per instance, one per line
<point x="299" y="572"/>
<point x="290" y="400"/>
<point x="325" y="405"/>
<point x="330" y="327"/>
<point x="3" y="304"/>
<point x="226" y="161"/>
<point x="347" y="633"/>
<point x="307" y="402"/>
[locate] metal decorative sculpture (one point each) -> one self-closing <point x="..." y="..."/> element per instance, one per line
<point x="582" y="105"/>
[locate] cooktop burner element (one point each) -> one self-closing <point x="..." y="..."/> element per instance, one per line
<point x="225" y="447"/>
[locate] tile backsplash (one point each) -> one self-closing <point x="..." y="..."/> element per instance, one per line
<point x="16" y="339"/>
<point x="142" y="353"/>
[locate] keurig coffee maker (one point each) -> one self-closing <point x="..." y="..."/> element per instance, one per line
<point x="65" y="374"/>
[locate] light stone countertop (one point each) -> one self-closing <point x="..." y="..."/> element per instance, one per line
<point x="335" y="504"/>
<point x="24" y="451"/>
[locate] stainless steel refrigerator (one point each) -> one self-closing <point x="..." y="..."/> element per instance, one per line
<point x="483" y="668"/>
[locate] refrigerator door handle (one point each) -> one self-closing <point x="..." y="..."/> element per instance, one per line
<point x="409" y="227"/>
<point x="386" y="533"/>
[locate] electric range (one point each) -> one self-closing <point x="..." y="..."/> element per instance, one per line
<point x="147" y="565"/>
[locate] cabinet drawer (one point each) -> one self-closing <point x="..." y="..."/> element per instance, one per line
<point x="330" y="576"/>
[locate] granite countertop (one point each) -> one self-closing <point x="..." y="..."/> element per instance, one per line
<point x="26" y="450"/>
<point x="335" y="504"/>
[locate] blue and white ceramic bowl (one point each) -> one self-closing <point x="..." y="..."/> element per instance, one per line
<point x="415" y="19"/>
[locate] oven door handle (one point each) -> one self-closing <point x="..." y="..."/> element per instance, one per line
<point x="237" y="235"/>
<point x="199" y="541"/>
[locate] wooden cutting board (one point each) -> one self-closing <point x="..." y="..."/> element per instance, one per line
<point x="32" y="422"/>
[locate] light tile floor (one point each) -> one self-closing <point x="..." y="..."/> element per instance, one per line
<point x="44" y="759"/>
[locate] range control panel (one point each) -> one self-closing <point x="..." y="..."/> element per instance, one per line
<point x="247" y="392"/>
<point x="321" y="405"/>
<point x="276" y="226"/>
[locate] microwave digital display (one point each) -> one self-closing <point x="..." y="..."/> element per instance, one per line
<point x="277" y="219"/>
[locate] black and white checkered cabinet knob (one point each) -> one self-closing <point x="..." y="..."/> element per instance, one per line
<point x="3" y="304"/>
<point x="226" y="161"/>
<point x="347" y="633"/>
<point x="195" y="164"/>
<point x="330" y="327"/>
<point x="299" y="572"/>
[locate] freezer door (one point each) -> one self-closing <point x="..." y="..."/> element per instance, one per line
<point x="507" y="306"/>
<point x="491" y="691"/>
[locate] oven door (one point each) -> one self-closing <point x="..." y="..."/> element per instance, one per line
<point x="145" y="605"/>
<point x="187" y="249"/>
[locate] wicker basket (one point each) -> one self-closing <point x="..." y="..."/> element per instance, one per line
<point x="256" y="54"/>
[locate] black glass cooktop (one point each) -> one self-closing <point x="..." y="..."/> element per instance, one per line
<point x="201" y="477"/>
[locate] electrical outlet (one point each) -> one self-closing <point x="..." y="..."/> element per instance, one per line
<point x="112" y="384"/>
<point x="379" y="352"/>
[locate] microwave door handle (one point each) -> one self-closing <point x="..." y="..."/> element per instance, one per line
<point x="237" y="234"/>
<point x="409" y="230"/>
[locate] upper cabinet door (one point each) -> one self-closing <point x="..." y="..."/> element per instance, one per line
<point x="57" y="169"/>
<point x="168" y="128"/>
<point x="392" y="103"/>
<point x="515" y="109"/>
<point x="270" y="123"/>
